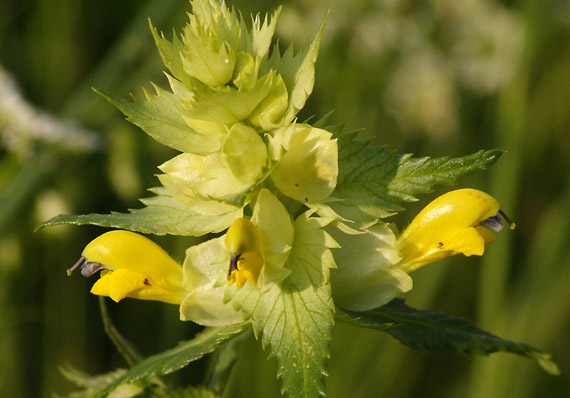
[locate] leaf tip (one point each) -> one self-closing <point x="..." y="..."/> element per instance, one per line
<point x="546" y="363"/>
<point x="492" y="155"/>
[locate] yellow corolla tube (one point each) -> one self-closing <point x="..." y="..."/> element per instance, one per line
<point x="131" y="266"/>
<point x="453" y="223"/>
<point x="242" y="242"/>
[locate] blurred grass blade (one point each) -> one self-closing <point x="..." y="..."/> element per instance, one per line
<point x="190" y="392"/>
<point x="20" y="188"/>
<point x="119" y="63"/>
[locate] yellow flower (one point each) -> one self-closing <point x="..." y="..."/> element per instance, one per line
<point x="253" y="250"/>
<point x="259" y="247"/>
<point x="131" y="266"/>
<point x="242" y="241"/>
<point x="449" y="225"/>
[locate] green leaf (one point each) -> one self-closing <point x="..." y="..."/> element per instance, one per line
<point x="297" y="71"/>
<point x="189" y="392"/>
<point x="259" y="38"/>
<point x="162" y="215"/>
<point x="426" y="330"/>
<point x="160" y="117"/>
<point x="295" y="317"/>
<point x="170" y="52"/>
<point x="174" y="359"/>
<point x="92" y="385"/>
<point x="377" y="181"/>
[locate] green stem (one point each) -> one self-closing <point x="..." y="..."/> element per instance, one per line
<point x="125" y="347"/>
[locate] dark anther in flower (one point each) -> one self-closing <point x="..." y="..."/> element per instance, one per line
<point x="493" y="223"/>
<point x="496" y="223"/>
<point x="233" y="264"/>
<point x="87" y="268"/>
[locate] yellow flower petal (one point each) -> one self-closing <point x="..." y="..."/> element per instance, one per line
<point x="249" y="267"/>
<point x="133" y="266"/>
<point x="242" y="237"/>
<point x="119" y="284"/>
<point x="242" y="241"/>
<point x="447" y="226"/>
<point x="260" y="247"/>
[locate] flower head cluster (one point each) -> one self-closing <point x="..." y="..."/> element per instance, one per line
<point x="246" y="167"/>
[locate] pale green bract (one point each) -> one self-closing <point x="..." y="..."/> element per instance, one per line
<point x="307" y="166"/>
<point x="204" y="265"/>
<point x="202" y="182"/>
<point x="368" y="275"/>
<point x="245" y="153"/>
<point x="210" y="41"/>
<point x="221" y="74"/>
<point x="230" y="109"/>
<point x="207" y="181"/>
<point x="276" y="235"/>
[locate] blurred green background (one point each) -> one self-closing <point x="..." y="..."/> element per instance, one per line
<point x="436" y="78"/>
